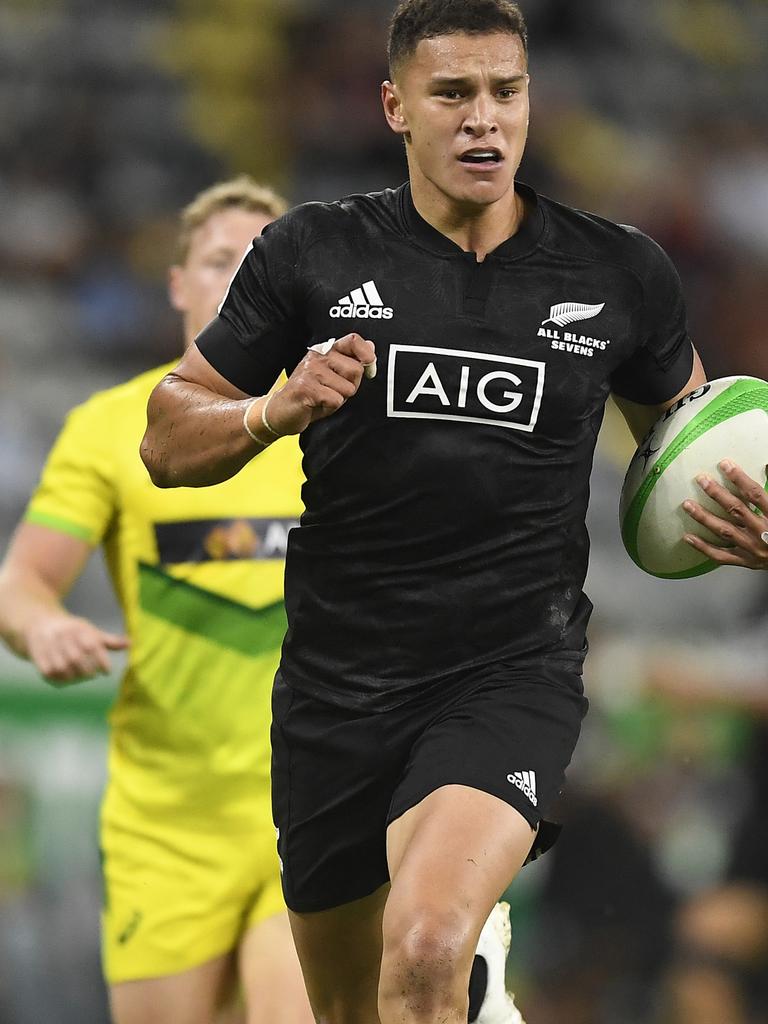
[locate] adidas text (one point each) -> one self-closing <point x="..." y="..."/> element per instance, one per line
<point x="526" y="783"/>
<point x="362" y="312"/>
<point x="362" y="303"/>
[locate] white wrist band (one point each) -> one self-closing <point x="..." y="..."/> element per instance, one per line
<point x="249" y="432"/>
<point x="265" y="421"/>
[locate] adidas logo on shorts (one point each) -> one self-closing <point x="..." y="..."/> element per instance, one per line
<point x="364" y="303"/>
<point x="526" y="782"/>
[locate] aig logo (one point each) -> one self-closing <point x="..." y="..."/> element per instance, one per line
<point x="446" y="384"/>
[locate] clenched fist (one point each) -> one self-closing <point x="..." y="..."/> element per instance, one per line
<point x="324" y="380"/>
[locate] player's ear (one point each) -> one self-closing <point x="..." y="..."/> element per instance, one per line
<point x="393" y="108"/>
<point x="176" y="290"/>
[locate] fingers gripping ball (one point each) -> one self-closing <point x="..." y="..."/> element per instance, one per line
<point x="724" y="419"/>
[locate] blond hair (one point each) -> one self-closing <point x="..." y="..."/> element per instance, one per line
<point x="241" y="192"/>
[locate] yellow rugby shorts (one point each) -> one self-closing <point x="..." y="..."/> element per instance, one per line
<point x="176" y="897"/>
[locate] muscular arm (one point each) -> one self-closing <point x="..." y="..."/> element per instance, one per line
<point x="640" y="418"/>
<point x="195" y="434"/>
<point x="40" y="567"/>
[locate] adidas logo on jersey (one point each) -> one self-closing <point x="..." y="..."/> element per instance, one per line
<point x="526" y="782"/>
<point x="364" y="303"/>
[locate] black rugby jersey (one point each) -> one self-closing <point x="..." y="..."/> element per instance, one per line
<point x="445" y="502"/>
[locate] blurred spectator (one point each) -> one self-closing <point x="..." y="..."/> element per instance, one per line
<point x="718" y="973"/>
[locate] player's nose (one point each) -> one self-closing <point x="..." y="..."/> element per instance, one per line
<point x="480" y="119"/>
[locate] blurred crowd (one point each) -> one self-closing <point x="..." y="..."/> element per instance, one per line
<point x="113" y="115"/>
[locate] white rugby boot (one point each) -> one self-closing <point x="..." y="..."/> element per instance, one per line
<point x="498" y="1005"/>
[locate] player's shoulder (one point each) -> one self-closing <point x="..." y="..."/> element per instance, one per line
<point x="585" y="234"/>
<point x="378" y="210"/>
<point x="110" y="405"/>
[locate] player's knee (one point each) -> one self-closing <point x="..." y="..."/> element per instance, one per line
<point x="424" y="948"/>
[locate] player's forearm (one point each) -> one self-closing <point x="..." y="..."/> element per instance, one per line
<point x="194" y="437"/>
<point x="24" y="600"/>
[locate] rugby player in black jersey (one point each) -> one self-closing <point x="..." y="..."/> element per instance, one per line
<point x="450" y="346"/>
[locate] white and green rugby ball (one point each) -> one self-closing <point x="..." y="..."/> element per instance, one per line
<point x="724" y="419"/>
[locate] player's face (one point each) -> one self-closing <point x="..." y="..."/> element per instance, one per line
<point x="215" y="252"/>
<point x="461" y="102"/>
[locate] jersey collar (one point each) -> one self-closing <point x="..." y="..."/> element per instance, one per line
<point x="520" y="244"/>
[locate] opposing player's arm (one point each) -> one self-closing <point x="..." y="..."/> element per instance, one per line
<point x="640" y="417"/>
<point x="202" y="429"/>
<point x="38" y="571"/>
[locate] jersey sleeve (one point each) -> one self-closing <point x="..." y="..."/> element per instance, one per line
<point x="661" y="365"/>
<point x="77" y="490"/>
<point x="260" y="330"/>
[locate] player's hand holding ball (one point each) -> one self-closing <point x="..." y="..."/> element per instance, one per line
<point x="328" y="376"/>
<point x="745" y="531"/>
<point x="686" y="507"/>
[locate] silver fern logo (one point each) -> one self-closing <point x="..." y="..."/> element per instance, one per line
<point x="569" y="312"/>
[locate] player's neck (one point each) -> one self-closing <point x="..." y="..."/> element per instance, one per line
<point x="474" y="229"/>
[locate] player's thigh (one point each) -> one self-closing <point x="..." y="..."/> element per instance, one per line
<point x="511" y="736"/>
<point x="340" y="955"/>
<point x="451" y="856"/>
<point x="333" y="775"/>
<point x="473" y="802"/>
<point x="270" y="975"/>
<point x="200" y="995"/>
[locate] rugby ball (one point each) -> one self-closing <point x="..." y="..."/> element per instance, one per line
<point x="724" y="419"/>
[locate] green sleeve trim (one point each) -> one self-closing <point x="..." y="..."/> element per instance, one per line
<point x="61" y="524"/>
<point x="250" y="631"/>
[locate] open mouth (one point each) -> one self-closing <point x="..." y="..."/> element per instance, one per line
<point x="481" y="156"/>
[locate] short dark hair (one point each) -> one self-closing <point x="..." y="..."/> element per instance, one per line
<point x="415" y="20"/>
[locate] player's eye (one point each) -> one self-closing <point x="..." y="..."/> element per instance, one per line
<point x="507" y="93"/>
<point x="450" y="94"/>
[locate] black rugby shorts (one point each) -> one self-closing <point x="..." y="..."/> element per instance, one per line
<point x="340" y="776"/>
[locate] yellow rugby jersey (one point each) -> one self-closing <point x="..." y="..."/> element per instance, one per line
<point x="199" y="575"/>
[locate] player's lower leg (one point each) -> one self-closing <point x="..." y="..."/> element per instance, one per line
<point x="340" y="954"/>
<point x="489" y="1001"/>
<point x="270" y="976"/>
<point x="196" y="996"/>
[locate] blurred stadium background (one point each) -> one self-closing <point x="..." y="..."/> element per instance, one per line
<point x="113" y="113"/>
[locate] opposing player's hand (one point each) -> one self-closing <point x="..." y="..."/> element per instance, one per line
<point x="68" y="649"/>
<point x="327" y="377"/>
<point x="745" y="532"/>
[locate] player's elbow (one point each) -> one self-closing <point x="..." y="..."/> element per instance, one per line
<point x="157" y="467"/>
<point x="156" y="449"/>
<point x="157" y="454"/>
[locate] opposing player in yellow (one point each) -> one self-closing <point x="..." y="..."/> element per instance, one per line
<point x="193" y="898"/>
